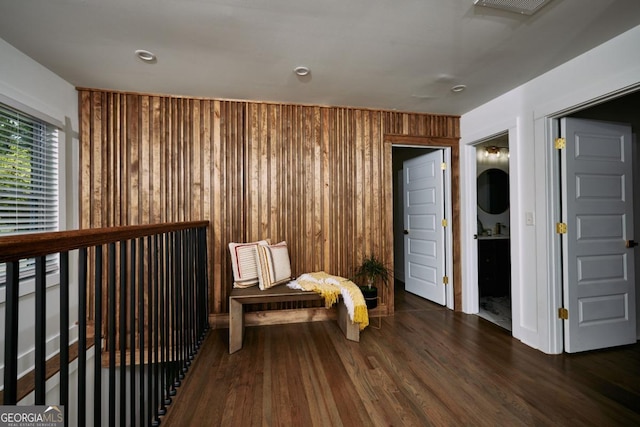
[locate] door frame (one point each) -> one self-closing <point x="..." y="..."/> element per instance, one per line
<point x="472" y="290"/>
<point x="455" y="279"/>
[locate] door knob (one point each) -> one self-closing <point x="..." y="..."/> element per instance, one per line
<point x="631" y="243"/>
<point x="406" y="231"/>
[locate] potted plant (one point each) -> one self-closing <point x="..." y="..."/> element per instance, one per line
<point x="372" y="269"/>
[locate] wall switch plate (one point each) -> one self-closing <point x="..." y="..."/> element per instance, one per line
<point x="529" y="218"/>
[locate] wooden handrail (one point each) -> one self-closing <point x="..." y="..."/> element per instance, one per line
<point x="14" y="248"/>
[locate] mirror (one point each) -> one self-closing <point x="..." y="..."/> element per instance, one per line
<point x="493" y="191"/>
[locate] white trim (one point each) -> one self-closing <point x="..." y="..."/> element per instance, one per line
<point x="469" y="228"/>
<point x="27" y="358"/>
<point x="554" y="329"/>
<point x="450" y="297"/>
<point x="30" y="111"/>
<point x="28" y="286"/>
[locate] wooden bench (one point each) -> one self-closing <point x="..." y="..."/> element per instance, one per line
<point x="280" y="293"/>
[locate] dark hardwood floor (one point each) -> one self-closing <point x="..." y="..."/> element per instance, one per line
<point x="426" y="366"/>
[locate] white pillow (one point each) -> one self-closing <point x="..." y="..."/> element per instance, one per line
<point x="244" y="261"/>
<point x="274" y="265"/>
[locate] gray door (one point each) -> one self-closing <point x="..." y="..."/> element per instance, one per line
<point x="424" y="239"/>
<point x="598" y="269"/>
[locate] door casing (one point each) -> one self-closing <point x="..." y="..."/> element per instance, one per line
<point x="454" y="298"/>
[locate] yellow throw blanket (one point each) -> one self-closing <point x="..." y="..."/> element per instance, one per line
<point x="331" y="287"/>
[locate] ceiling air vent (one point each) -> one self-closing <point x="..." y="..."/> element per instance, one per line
<point x="525" y="7"/>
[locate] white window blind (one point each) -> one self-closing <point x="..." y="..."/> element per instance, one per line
<point x="28" y="180"/>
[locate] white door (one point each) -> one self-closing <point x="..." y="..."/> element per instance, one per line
<point x="424" y="238"/>
<point x="598" y="270"/>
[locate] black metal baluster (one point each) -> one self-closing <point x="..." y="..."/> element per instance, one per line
<point x="122" y="328"/>
<point x="141" y="337"/>
<point x="82" y="337"/>
<point x="204" y="282"/>
<point x="164" y="400"/>
<point x="11" y="327"/>
<point x="199" y="283"/>
<point x="190" y="296"/>
<point x="175" y="277"/>
<point x="200" y="300"/>
<point x="157" y="305"/>
<point x="185" y="302"/>
<point x="179" y="308"/>
<point x="41" y="326"/>
<point x="132" y="334"/>
<point x="186" y="281"/>
<point x="147" y="415"/>
<point x="205" y="276"/>
<point x="97" y="360"/>
<point x="64" y="332"/>
<point x="195" y="287"/>
<point x="111" y="335"/>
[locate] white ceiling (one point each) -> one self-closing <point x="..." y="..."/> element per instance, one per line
<point x="384" y="54"/>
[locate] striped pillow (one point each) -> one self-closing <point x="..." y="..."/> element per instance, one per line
<point x="274" y="266"/>
<point x="245" y="263"/>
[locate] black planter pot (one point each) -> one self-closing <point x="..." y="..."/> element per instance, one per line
<point x="370" y="296"/>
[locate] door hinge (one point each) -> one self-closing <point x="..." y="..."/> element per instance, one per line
<point x="444" y="222"/>
<point x="443" y="166"/>
<point x="445" y="280"/>
<point x="561" y="228"/>
<point x="563" y="313"/>
<point x="560" y="143"/>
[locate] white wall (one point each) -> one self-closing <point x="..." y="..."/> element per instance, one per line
<point x="608" y="69"/>
<point x="28" y="86"/>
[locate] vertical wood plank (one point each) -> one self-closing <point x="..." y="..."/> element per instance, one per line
<point x="155" y="162"/>
<point x="131" y="146"/>
<point x="216" y="205"/>
<point x="143" y="160"/>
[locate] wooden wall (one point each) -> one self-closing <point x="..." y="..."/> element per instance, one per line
<point x="317" y="177"/>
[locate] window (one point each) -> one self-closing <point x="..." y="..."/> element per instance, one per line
<point x="28" y="180"/>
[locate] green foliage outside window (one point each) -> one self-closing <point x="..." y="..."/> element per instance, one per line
<point x="15" y="168"/>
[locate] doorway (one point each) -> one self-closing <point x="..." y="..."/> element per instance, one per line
<point x="581" y="330"/>
<point x="425" y="269"/>
<point x="493" y="231"/>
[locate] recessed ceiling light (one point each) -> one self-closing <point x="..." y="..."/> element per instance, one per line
<point x="458" y="88"/>
<point x="524" y="7"/>
<point x="146" y="56"/>
<point x="302" y="71"/>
